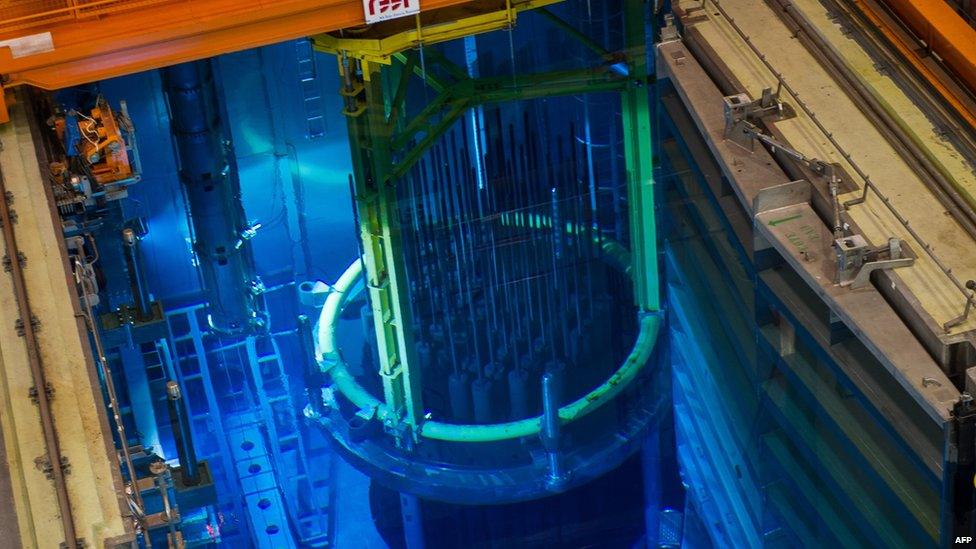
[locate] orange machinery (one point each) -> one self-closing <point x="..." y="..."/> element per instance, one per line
<point x="102" y="144"/>
<point x="942" y="32"/>
<point x="53" y="44"/>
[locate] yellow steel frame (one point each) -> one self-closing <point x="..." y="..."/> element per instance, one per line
<point x="371" y="119"/>
<point x="468" y="22"/>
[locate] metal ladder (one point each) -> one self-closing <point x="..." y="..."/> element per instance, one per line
<point x="250" y="431"/>
<point x="311" y="90"/>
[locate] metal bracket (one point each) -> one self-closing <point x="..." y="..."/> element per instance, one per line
<point x="8" y="266"/>
<point x="48" y="392"/>
<point x="856" y="260"/>
<point x="19" y="325"/>
<point x="403" y="433"/>
<point x="971" y="286"/>
<point x="353" y="89"/>
<point x="781" y="196"/>
<point x="256" y="287"/>
<point x="12" y="214"/>
<point x="354" y="107"/>
<point x="669" y="32"/>
<point x="863" y="277"/>
<point x="45" y="466"/>
<point x="394" y="370"/>
<point x="742" y="114"/>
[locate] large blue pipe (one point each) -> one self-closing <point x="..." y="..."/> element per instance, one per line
<point x="209" y="173"/>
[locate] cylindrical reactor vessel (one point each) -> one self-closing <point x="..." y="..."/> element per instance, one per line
<point x="536" y="367"/>
<point x="209" y="175"/>
<point x="512" y="282"/>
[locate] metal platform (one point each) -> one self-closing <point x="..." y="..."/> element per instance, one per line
<point x="842" y="392"/>
<point x="95" y="503"/>
<point x="930" y="297"/>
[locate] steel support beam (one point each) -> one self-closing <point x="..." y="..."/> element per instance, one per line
<point x="138" y="35"/>
<point x="385" y="146"/>
<point x="376" y="204"/>
<point x="441" y="113"/>
<point x="636" y="109"/>
<point x="959" y="468"/>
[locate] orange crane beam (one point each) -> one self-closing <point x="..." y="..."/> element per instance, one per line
<point x="944" y="32"/>
<point x="82" y="41"/>
<point x="907" y="44"/>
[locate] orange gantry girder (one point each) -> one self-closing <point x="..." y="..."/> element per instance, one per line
<point x="96" y="39"/>
<point x="944" y="32"/>
<point x="953" y="44"/>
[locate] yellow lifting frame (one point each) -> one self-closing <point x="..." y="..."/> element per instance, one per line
<point x="382" y="50"/>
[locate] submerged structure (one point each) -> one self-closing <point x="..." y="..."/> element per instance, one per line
<point x="487" y="274"/>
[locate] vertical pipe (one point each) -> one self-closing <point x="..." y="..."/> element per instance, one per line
<point x="481" y="389"/>
<point x="413" y="521"/>
<point x="459" y="394"/>
<point x="579" y="236"/>
<point x="209" y="176"/>
<point x="461" y="254"/>
<point x="437" y="220"/>
<point x="557" y="225"/>
<point x="423" y="239"/>
<point x="180" y="422"/>
<point x="415" y="262"/>
<point x="651" y="466"/>
<point x="518" y="393"/>
<point x="555" y="289"/>
<point x="137" y="281"/>
<point x="310" y="368"/>
<point x="638" y="147"/>
<point x="160" y="471"/>
<point x="959" y="466"/>
<point x="550" y="430"/>
<point x="588" y="141"/>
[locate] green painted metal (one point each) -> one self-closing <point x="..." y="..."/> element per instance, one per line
<point x="438" y="59"/>
<point x="564" y="26"/>
<point x="614" y="252"/>
<point x="379" y="225"/>
<point x="547" y="84"/>
<point x="650" y="325"/>
<point x="422" y="121"/>
<point x="379" y="137"/>
<point x="640" y="165"/>
<point x="398" y="104"/>
<point x="433" y="133"/>
<point x="445" y="109"/>
<point x="346" y="289"/>
<point x="434" y="82"/>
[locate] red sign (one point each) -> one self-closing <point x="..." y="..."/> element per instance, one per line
<point x="381" y="10"/>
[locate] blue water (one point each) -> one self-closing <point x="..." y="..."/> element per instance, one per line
<point x="278" y="483"/>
